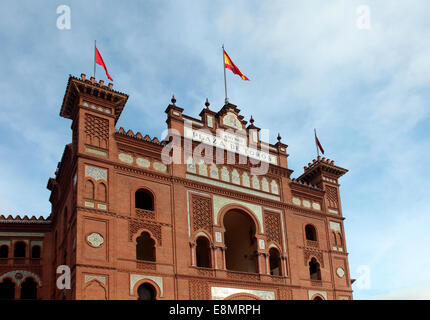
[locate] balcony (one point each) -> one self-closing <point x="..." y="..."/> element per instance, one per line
<point x="312" y="244"/>
<point x="147" y="265"/>
<point x="32" y="265"/>
<point x="140" y="265"/>
<point x="145" y="214"/>
<point x="316" y="283"/>
<point x="19" y="261"/>
<point x="238" y="275"/>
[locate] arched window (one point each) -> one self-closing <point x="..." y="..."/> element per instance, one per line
<point x="89" y="189"/>
<point x="339" y="241"/>
<point x="334" y="238"/>
<point x="240" y="242"/>
<point x="19" y="251"/>
<point x="275" y="262"/>
<point x="145" y="247"/>
<point x="317" y="298"/>
<point x="314" y="269"/>
<point x="311" y="233"/>
<point x="35" y="252"/>
<point x="144" y="200"/>
<point x="7" y="289"/>
<point x="146" y="292"/>
<point x="4" y="251"/>
<point x="29" y="289"/>
<point x="101" y="192"/>
<point x="203" y="252"/>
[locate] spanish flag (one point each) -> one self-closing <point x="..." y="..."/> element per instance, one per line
<point x="230" y="65"/>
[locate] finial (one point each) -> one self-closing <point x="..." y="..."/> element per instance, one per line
<point x="279" y="137"/>
<point x="173" y="99"/>
<point x="207" y="104"/>
<point x="251" y="120"/>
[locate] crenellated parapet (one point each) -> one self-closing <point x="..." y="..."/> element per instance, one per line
<point x="24" y="219"/>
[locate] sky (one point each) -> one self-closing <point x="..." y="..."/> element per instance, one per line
<point x="312" y="64"/>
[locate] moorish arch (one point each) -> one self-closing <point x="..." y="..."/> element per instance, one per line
<point x="21" y="275"/>
<point x="222" y="205"/>
<point x="240" y="239"/>
<point x="203" y="255"/>
<point x="94" y="290"/>
<point x="146" y="289"/>
<point x="242" y="296"/>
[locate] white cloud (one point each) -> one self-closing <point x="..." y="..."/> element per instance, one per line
<point x="417" y="293"/>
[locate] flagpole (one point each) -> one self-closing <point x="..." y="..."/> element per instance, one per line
<point x="225" y="79"/>
<point x="316" y="145"/>
<point x="95" y="48"/>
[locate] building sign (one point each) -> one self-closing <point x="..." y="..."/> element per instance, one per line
<point x="230" y="142"/>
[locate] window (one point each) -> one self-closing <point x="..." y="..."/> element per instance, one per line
<point x="144" y="200"/>
<point x="275" y="262"/>
<point x="311" y="233"/>
<point x="203" y="252"/>
<point x="35" y="252"/>
<point x="7" y="289"/>
<point x="146" y="292"/>
<point x="29" y="289"/>
<point x="89" y="189"/>
<point x="101" y="192"/>
<point x="240" y="242"/>
<point x="314" y="269"/>
<point x="145" y="247"/>
<point x="339" y="242"/>
<point x="4" y="251"/>
<point x="19" y="249"/>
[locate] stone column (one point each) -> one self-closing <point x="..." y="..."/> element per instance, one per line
<point x="260" y="264"/>
<point x="267" y="263"/>
<point x="215" y="264"/>
<point x="193" y="253"/>
<point x="284" y="265"/>
<point x="224" y="265"/>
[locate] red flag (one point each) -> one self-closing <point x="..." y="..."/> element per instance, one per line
<point x="230" y="65"/>
<point x="318" y="143"/>
<point x="99" y="61"/>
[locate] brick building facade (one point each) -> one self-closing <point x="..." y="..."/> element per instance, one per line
<point x="129" y="225"/>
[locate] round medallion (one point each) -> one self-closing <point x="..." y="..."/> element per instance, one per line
<point x="18" y="276"/>
<point x="95" y="239"/>
<point x="340" y="272"/>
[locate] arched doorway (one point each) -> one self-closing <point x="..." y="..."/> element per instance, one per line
<point x="203" y="252"/>
<point x="145" y="247"/>
<point x="314" y="269"/>
<point x="29" y="289"/>
<point x="7" y="289"/>
<point x="240" y="242"/>
<point x="275" y="262"/>
<point x="146" y="292"/>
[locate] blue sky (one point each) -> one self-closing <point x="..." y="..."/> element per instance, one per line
<point x="366" y="92"/>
